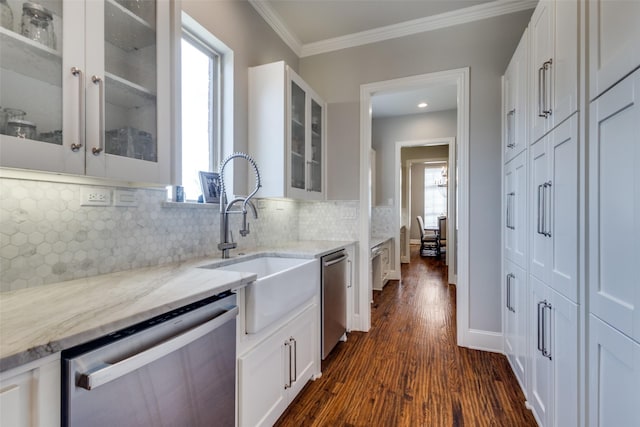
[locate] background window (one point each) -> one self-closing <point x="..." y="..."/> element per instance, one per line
<point x="435" y="194"/>
<point x="200" y="111"/>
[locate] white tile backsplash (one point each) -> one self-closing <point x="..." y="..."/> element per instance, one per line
<point x="47" y="237"/>
<point x="382" y="221"/>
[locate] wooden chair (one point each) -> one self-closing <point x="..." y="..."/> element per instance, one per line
<point x="442" y="234"/>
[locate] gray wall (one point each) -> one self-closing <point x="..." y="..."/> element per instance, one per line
<point x="385" y="132"/>
<point x="242" y="29"/>
<point x="485" y="46"/>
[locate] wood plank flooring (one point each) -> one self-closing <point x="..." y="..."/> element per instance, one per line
<point x="407" y="370"/>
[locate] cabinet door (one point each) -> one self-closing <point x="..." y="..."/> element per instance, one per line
<point x="614" y="206"/>
<point x="515" y="209"/>
<point x="563" y="316"/>
<point x="541" y="388"/>
<point x="562" y="195"/>
<point x="297" y="137"/>
<point x="263" y="374"/>
<point x="42" y="114"/>
<point x="128" y="106"/>
<point x="516" y="320"/>
<point x="614" y="37"/>
<point x="564" y="68"/>
<point x="304" y="336"/>
<point x="539" y="249"/>
<point x="315" y="152"/>
<point x="16" y="406"/>
<point x="614" y="377"/>
<point x="541" y="34"/>
<point x="516" y="82"/>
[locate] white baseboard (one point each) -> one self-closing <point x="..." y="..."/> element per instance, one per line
<point x="484" y="340"/>
<point x="414" y="241"/>
<point x="404" y="260"/>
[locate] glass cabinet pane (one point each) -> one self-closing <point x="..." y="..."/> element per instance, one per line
<point x="130" y="106"/>
<point x="298" y="121"/>
<point x="315" y="178"/>
<point x="31" y="70"/>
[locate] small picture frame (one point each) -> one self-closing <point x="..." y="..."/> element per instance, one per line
<point x="210" y="184"/>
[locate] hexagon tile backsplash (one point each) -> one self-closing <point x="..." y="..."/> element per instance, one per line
<point x="47" y="237"/>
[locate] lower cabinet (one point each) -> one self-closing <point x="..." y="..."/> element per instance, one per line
<point x="30" y="394"/>
<point x="614" y="377"/>
<point x="553" y="391"/>
<point x="272" y="373"/>
<point x="515" y="337"/>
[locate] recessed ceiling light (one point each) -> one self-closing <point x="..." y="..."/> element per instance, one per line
<point x="422" y="105"/>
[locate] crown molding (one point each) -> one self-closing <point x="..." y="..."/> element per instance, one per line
<point x="273" y="19"/>
<point x="402" y="29"/>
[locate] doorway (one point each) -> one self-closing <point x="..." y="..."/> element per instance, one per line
<point x="460" y="78"/>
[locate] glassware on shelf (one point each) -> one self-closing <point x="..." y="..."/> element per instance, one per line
<point x="14" y="114"/>
<point x="21" y="128"/>
<point x="6" y="15"/>
<point x="37" y="24"/>
<point x="131" y="142"/>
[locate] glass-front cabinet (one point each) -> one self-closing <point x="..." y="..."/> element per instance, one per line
<point x="84" y="88"/>
<point x="290" y="157"/>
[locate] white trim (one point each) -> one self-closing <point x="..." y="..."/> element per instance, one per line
<point x="278" y="25"/>
<point x="485" y="341"/>
<point x="402" y="29"/>
<point x="460" y="77"/>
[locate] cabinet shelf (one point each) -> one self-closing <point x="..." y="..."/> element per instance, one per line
<point x="30" y="58"/>
<point x="127" y="30"/>
<point x="124" y="93"/>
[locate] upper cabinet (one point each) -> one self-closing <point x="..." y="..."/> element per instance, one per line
<point x="286" y="133"/>
<point x="614" y="37"/>
<point x="91" y="97"/>
<point x="515" y="102"/>
<point x="553" y="31"/>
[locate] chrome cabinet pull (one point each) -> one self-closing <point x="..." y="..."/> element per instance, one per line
<point x="510" y="276"/>
<point x="100" y="82"/>
<point x="308" y="173"/>
<point x="95" y="379"/>
<point x="547" y="222"/>
<point x="545" y="351"/>
<point x="540" y="209"/>
<point x="510" y="206"/>
<point x="77" y="72"/>
<point x="540" y="326"/>
<point x="511" y="128"/>
<point x="295" y="359"/>
<point x="546" y="103"/>
<point x="540" y="91"/>
<point x="287" y="384"/>
<point x="350" y="283"/>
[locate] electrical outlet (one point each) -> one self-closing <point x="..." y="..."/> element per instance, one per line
<point x="95" y="196"/>
<point x="126" y="198"/>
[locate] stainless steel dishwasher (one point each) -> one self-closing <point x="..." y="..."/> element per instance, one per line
<point x="334" y="300"/>
<point x="174" y="369"/>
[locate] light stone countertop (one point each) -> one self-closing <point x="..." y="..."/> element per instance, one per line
<point x="44" y="320"/>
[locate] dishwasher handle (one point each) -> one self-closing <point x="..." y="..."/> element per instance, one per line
<point x="335" y="261"/>
<point x="92" y="380"/>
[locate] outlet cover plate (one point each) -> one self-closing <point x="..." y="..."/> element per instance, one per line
<point x="95" y="196"/>
<point x="125" y="198"/>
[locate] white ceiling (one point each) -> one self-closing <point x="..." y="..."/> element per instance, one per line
<point x="402" y="103"/>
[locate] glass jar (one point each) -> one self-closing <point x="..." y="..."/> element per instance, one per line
<point x="37" y="24"/>
<point x="21" y="128"/>
<point x="6" y="15"/>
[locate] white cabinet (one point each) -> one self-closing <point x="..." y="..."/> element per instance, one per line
<point x="614" y="377"/>
<point x="515" y="206"/>
<point x="614" y="206"/>
<point x="286" y="133"/>
<point x="516" y="321"/>
<point x="272" y="373"/>
<point x="554" y="209"/>
<point x="515" y="103"/>
<point x="614" y="37"/>
<point x="553" y="69"/>
<point x="100" y="100"/>
<point x="30" y="394"/>
<point x="553" y="395"/>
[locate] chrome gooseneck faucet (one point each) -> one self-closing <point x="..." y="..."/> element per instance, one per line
<point x="226" y="238"/>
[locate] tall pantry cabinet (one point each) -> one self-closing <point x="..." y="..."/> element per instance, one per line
<point x="543" y="349"/>
<point x="583" y="202"/>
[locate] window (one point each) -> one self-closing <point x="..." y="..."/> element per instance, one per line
<point x="200" y="111"/>
<point x="435" y="193"/>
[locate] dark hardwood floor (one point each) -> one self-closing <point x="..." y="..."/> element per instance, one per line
<point x="407" y="370"/>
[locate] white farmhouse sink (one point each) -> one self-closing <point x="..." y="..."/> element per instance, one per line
<point x="281" y="286"/>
